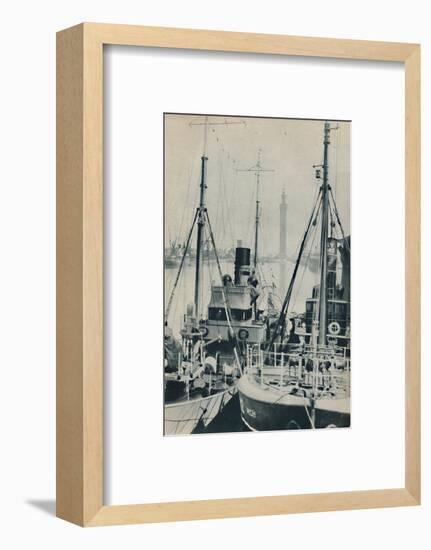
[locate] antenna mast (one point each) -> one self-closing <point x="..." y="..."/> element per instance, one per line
<point x="257" y="169"/>
<point x="323" y="289"/>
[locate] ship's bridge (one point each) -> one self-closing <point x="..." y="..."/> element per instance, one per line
<point x="243" y="324"/>
<point x="238" y="299"/>
<point x="236" y="296"/>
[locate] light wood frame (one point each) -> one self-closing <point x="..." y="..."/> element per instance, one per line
<point x="80" y="272"/>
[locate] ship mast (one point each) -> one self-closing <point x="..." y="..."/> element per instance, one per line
<point x="201" y="224"/>
<point x="202" y="210"/>
<point x="257" y="169"/>
<point x="323" y="290"/>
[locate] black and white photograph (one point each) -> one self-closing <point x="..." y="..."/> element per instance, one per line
<point x="256" y="274"/>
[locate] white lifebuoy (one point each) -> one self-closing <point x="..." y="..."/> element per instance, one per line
<point x="243" y="334"/>
<point x="334" y="328"/>
<point x="203" y="331"/>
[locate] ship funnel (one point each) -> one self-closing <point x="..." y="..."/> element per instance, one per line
<point x="242" y="265"/>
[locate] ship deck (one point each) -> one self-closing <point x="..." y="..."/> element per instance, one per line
<point x="269" y="394"/>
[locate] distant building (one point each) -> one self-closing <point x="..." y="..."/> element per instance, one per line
<point x="283" y="227"/>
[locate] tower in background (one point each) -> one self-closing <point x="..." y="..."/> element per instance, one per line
<point x="283" y="227"/>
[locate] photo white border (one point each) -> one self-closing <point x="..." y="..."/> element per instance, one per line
<point x="377" y="141"/>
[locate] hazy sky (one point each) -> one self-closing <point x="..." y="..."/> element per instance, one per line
<point x="289" y="147"/>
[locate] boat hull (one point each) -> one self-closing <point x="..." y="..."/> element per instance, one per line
<point x="187" y="417"/>
<point x="266" y="409"/>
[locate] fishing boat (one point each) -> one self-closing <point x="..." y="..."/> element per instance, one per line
<point x="201" y="372"/>
<point x="300" y="377"/>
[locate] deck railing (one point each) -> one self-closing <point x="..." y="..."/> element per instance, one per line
<point x="318" y="368"/>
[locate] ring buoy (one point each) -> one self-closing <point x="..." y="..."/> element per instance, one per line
<point x="334" y="328"/>
<point x="243" y="334"/>
<point x="203" y="331"/>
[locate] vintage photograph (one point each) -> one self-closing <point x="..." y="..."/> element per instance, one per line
<point x="256" y="274"/>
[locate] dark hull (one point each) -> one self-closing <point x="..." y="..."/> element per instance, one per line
<point x="262" y="410"/>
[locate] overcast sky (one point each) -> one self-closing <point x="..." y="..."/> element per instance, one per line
<point x="289" y="147"/>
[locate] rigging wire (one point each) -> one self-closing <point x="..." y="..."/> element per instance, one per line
<point x="225" y="212"/>
<point x="337" y="139"/>
<point x="181" y="265"/>
<point x="218" y="214"/>
<point x="225" y="299"/>
<point x="338" y="233"/>
<point x="232" y="200"/>
<point x="227" y="217"/>
<point x="282" y="318"/>
<point x="315" y="232"/>
<point x="346" y="243"/>
<point x="180" y="231"/>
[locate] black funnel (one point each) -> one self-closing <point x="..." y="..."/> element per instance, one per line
<point x="242" y="258"/>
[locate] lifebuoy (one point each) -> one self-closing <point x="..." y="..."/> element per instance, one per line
<point x="203" y="331"/>
<point x="243" y="334"/>
<point x="334" y="327"/>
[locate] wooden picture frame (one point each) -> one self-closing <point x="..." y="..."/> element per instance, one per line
<point x="80" y="273"/>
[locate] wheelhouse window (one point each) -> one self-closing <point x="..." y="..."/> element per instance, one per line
<point x="219" y="314"/>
